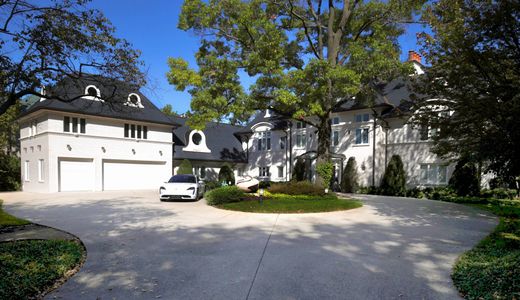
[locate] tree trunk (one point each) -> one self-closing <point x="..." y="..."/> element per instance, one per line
<point x="323" y="152"/>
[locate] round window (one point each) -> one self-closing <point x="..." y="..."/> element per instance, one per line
<point x="196" y="138"/>
<point x="134" y="99"/>
<point x="91" y="91"/>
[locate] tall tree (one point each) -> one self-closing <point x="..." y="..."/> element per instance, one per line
<point x="308" y="57"/>
<point x="43" y="42"/>
<point x="475" y="82"/>
<point x="168" y="110"/>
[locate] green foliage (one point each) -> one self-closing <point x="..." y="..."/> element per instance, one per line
<point x="185" y="167"/>
<point x="10" y="130"/>
<point x="297" y="188"/>
<point x="299" y="170"/>
<point x="491" y="269"/>
<point x="225" y="194"/>
<point x="9" y="220"/>
<point x="10" y="174"/>
<point x="264" y="184"/>
<point x="394" y="179"/>
<point x="226" y="175"/>
<point x="57" y="40"/>
<point x="281" y="203"/>
<point x="168" y="110"/>
<point x="300" y="69"/>
<point x="473" y="65"/>
<point x="464" y="179"/>
<point x="28" y="268"/>
<point x="325" y="171"/>
<point x="210" y="185"/>
<point x="499" y="193"/>
<point x="349" y="179"/>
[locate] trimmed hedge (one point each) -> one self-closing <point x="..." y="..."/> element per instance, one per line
<point x="225" y="194"/>
<point x="297" y="188"/>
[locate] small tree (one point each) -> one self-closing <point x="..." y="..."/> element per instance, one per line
<point x="464" y="179"/>
<point x="325" y="171"/>
<point x="299" y="170"/>
<point x="226" y="175"/>
<point x="9" y="172"/>
<point x="349" y="180"/>
<point x="185" y="167"/>
<point x="394" y="180"/>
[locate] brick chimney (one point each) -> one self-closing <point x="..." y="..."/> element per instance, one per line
<point x="414" y="56"/>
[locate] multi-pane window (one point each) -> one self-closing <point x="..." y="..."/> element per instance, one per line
<point x="26" y="170"/>
<point x="76" y="125"/>
<point x="434" y="174"/>
<point x="263" y="171"/>
<point x="283" y="142"/>
<point x="427" y="133"/>
<point x="40" y="170"/>
<point x="361" y="136"/>
<point x="300" y="125"/>
<point x="335" y="121"/>
<point x="136" y="131"/>
<point x="335" y="137"/>
<point x="264" y="141"/>
<point x="301" y="140"/>
<point x="280" y="171"/>
<point x="362" y="118"/>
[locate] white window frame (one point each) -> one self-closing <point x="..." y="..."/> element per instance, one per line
<point x="335" y="121"/>
<point x="301" y="125"/>
<point x="264" y="141"/>
<point x="264" y="171"/>
<point x="362" y="130"/>
<point x="302" y="140"/>
<point x="430" y="174"/>
<point x="363" y="118"/>
<point x="89" y="97"/>
<point x="41" y="170"/>
<point x="280" y="170"/>
<point x="26" y="171"/>
<point x="283" y="143"/>
<point x="335" y="138"/>
<point x="130" y="103"/>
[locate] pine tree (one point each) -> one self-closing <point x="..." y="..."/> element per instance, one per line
<point x="226" y="175"/>
<point x="299" y="170"/>
<point x="394" y="180"/>
<point x="185" y="167"/>
<point x="349" y="180"/>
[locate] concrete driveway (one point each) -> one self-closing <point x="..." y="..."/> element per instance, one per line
<point x="140" y="248"/>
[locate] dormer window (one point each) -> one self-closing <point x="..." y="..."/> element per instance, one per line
<point x="134" y="100"/>
<point x="196" y="138"/>
<point x="92" y="93"/>
<point x="196" y="142"/>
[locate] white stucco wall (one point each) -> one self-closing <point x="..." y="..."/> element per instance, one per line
<point x="104" y="140"/>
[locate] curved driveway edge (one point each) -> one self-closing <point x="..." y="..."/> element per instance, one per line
<point x="140" y="248"/>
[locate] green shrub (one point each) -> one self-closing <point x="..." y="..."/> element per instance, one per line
<point x="499" y="193"/>
<point x="297" y="188"/>
<point x="299" y="170"/>
<point x="325" y="171"/>
<point x="264" y="184"/>
<point x="185" y="167"/>
<point x="464" y="179"/>
<point x="415" y="193"/>
<point x="394" y="180"/>
<point x="349" y="180"/>
<point x="225" y="194"/>
<point x="211" y="184"/>
<point x="226" y="175"/>
<point x="10" y="174"/>
<point x="370" y="190"/>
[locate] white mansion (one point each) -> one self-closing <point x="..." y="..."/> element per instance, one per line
<point x="90" y="145"/>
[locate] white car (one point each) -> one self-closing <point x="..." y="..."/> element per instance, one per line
<point x="182" y="187"/>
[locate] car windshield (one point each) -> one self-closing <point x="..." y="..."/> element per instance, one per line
<point x="183" y="178"/>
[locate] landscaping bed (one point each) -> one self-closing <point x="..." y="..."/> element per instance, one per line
<point x="280" y="198"/>
<point x="31" y="268"/>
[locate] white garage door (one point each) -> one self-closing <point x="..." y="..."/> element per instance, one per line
<point x="76" y="174"/>
<point x="125" y="175"/>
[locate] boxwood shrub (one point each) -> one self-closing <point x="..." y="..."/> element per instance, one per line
<point x="297" y="188"/>
<point x="225" y="194"/>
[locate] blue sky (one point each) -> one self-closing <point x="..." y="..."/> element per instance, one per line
<point x="151" y="26"/>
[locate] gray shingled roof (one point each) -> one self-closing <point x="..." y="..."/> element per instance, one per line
<point x="115" y="94"/>
<point x="220" y="139"/>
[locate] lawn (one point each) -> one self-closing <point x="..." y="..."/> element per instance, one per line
<point x="281" y="203"/>
<point x="491" y="270"/>
<point x="8" y="220"/>
<point x="29" y="268"/>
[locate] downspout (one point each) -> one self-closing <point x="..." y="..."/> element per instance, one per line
<point x="374" y="149"/>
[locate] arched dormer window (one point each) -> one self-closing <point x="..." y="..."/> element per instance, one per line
<point x="92" y="93"/>
<point x="196" y="142"/>
<point x="134" y="100"/>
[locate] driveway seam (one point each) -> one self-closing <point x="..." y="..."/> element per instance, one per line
<point x="262" y="257"/>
